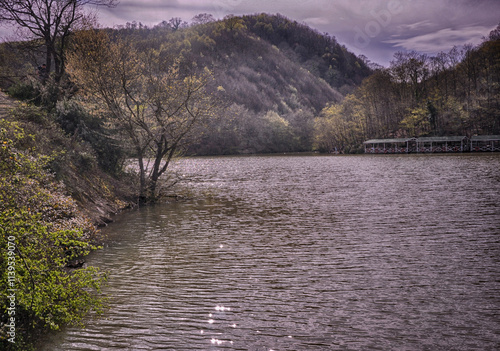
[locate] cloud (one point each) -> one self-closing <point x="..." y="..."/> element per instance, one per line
<point x="415" y="26"/>
<point x="387" y="25"/>
<point x="442" y="40"/>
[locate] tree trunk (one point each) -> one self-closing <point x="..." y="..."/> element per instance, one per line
<point x="162" y="150"/>
<point x="142" y="177"/>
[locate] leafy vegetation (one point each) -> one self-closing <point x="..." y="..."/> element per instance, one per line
<point x="45" y="232"/>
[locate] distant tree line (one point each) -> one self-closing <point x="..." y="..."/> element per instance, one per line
<point x="452" y="93"/>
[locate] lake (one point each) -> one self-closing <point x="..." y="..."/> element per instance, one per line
<point x="382" y="252"/>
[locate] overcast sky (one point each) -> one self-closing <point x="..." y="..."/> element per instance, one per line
<point x="374" y="28"/>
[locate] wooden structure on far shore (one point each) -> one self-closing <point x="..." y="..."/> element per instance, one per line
<point x="428" y="145"/>
<point x="390" y="146"/>
<point x="485" y="143"/>
<point x="442" y="144"/>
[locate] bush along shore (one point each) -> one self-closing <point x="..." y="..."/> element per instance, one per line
<point x="54" y="194"/>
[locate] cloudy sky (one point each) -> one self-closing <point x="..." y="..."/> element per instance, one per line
<point x="374" y="28"/>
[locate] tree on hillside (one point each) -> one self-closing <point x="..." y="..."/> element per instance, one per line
<point x="203" y="18"/>
<point x="341" y="127"/>
<point x="48" y="21"/>
<point x="230" y="28"/>
<point x="411" y="70"/>
<point x="146" y="97"/>
<point x="176" y="23"/>
<point x="330" y="130"/>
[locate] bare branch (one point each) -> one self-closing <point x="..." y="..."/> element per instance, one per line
<point x="49" y="20"/>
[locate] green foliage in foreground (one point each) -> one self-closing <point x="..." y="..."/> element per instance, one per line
<point x="41" y="231"/>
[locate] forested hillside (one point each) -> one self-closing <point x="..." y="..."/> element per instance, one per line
<point x="276" y="74"/>
<point x="452" y="93"/>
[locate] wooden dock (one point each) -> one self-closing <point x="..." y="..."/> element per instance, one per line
<point x="446" y="144"/>
<point x="485" y="143"/>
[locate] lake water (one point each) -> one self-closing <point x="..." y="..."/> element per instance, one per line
<point x="308" y="253"/>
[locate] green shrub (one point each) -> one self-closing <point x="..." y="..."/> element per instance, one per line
<point x="23" y="91"/>
<point x="41" y="231"/>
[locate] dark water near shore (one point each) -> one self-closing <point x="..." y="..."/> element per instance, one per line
<point x="308" y="253"/>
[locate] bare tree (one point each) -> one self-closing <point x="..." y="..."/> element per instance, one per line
<point x="411" y="69"/>
<point x="50" y="21"/>
<point x="203" y="18"/>
<point x="177" y="23"/>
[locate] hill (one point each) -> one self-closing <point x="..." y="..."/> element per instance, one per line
<point x="277" y="75"/>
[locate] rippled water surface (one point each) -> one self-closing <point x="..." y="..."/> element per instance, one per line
<point x="308" y="253"/>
